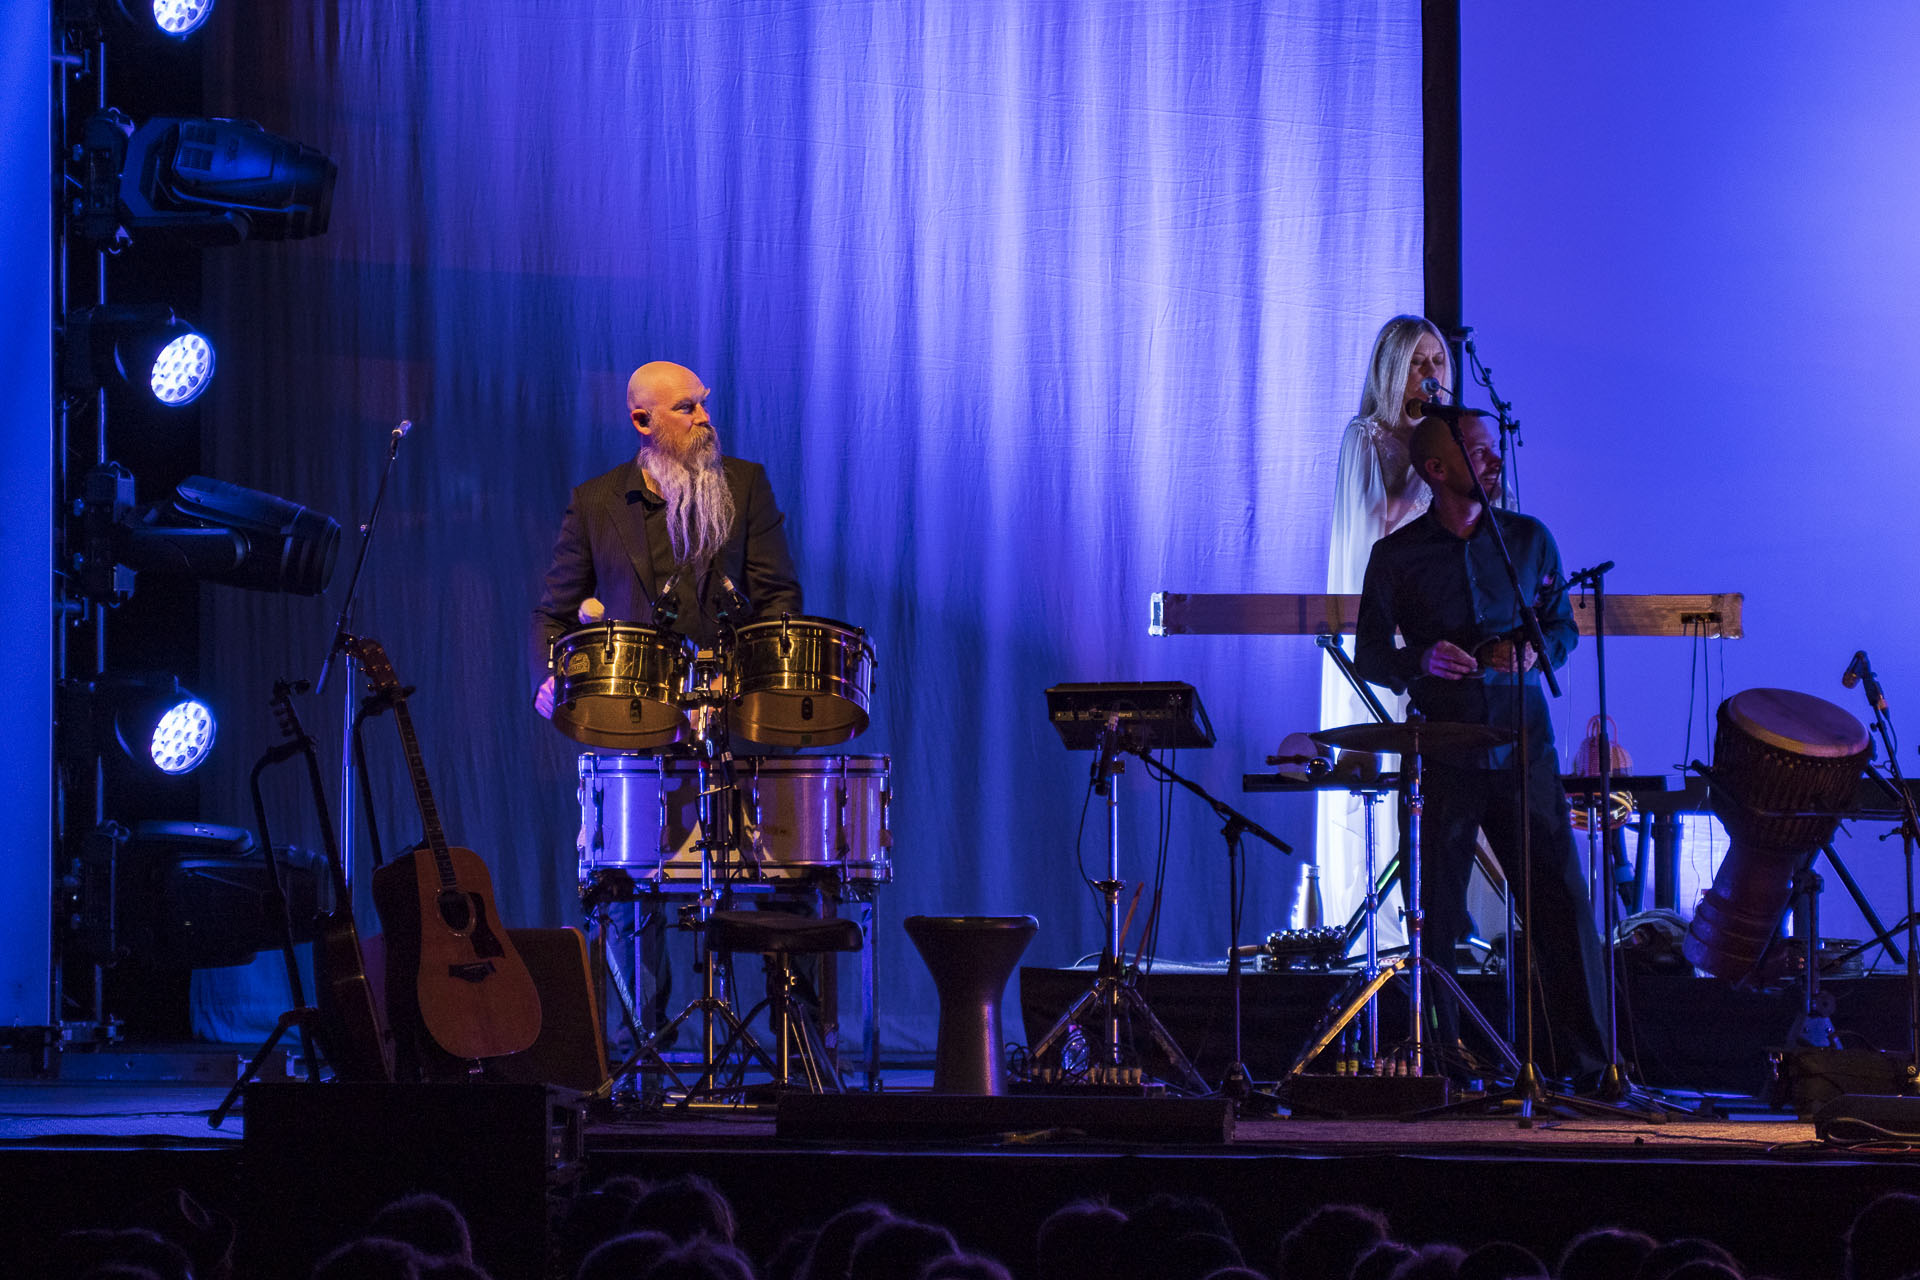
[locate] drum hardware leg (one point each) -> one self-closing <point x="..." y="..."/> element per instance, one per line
<point x="1883" y="935"/>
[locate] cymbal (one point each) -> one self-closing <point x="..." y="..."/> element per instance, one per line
<point x="1420" y="735"/>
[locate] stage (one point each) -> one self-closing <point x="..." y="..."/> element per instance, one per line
<point x="316" y="1160"/>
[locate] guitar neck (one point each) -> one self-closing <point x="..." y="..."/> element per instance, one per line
<point x="423" y="795"/>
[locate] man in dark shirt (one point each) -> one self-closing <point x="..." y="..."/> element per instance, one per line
<point x="679" y="514"/>
<point x="1440" y="582"/>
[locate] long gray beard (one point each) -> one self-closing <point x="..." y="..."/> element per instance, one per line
<point x="699" y="504"/>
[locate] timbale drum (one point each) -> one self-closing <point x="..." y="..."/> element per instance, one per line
<point x="802" y="682"/>
<point x="621" y="685"/>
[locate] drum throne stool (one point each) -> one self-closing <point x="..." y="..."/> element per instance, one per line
<point x="970" y="958"/>
<point x="778" y="937"/>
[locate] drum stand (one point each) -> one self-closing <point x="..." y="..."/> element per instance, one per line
<point x="1113" y="991"/>
<point x="1412" y="967"/>
<point x="717" y="844"/>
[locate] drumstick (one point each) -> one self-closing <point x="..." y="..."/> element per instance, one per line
<point x="1153" y="913"/>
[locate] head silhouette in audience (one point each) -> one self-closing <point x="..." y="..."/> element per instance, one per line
<point x="964" y="1266"/>
<point x="1665" y="1259"/>
<point x="1381" y="1261"/>
<point x="833" y="1244"/>
<point x="1328" y="1241"/>
<point x="898" y="1249"/>
<point x="702" y="1258"/>
<point x="373" y="1258"/>
<point x="684" y="1208"/>
<point x="1502" y="1260"/>
<point x="1604" y="1253"/>
<point x="1167" y="1235"/>
<point x="1079" y="1241"/>
<point x="627" y="1256"/>
<point x="430" y="1223"/>
<point x="1884" y="1241"/>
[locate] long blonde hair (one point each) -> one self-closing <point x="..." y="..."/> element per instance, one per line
<point x="1386" y="386"/>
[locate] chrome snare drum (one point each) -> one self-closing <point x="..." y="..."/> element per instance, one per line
<point x="799" y="816"/>
<point x="802" y="682"/>
<point x="621" y="685"/>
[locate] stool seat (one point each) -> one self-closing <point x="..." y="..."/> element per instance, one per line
<point x="970" y="958"/>
<point x="777" y="933"/>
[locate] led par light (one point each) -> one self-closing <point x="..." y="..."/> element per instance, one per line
<point x="163" y="20"/>
<point x="146" y="348"/>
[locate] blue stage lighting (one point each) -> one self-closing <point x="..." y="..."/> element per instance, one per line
<point x="182" y="369"/>
<point x="179" y="18"/>
<point x="182" y="736"/>
<point x="147" y="348"/>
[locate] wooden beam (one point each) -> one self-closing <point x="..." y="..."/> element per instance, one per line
<point x="1180" y="613"/>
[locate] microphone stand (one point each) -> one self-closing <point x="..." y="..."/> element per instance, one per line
<point x="337" y="647"/>
<point x="1236" y="1083"/>
<point x="1909" y="834"/>
<point x="1503" y="415"/>
<point x="1614" y="1085"/>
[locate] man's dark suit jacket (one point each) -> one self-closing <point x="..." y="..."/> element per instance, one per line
<point x="603" y="550"/>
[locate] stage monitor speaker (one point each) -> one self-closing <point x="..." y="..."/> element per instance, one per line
<point x="923" y="1117"/>
<point x="572" y="1048"/>
<point x="1869" y="1117"/>
<point x="321" y="1159"/>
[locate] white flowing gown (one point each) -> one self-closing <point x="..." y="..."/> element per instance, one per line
<point x="1372" y="459"/>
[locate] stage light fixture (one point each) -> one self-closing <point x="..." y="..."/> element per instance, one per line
<point x="176" y="18"/>
<point x="157" y="723"/>
<point x="160" y="19"/>
<point x="211" y="530"/>
<point x="214" y="181"/>
<point x="148" y="348"/>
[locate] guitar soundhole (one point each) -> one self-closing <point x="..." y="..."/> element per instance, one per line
<point x="455" y="911"/>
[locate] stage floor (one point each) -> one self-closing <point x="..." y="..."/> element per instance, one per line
<point x="91" y="1153"/>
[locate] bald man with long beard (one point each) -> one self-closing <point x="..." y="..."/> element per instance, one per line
<point x="680" y="513"/>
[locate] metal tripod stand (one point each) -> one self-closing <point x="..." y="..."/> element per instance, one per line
<point x="1412" y="968"/>
<point x="1118" y="719"/>
<point x="1114" y="997"/>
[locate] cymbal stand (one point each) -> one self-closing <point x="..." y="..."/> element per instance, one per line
<point x="1615" y="1087"/>
<point x="1114" y="991"/>
<point x="1410" y="968"/>
<point x="1235" y="1083"/>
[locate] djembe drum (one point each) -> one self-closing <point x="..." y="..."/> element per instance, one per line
<point x="1784" y="768"/>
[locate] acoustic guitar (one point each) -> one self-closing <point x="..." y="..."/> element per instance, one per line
<point x="476" y="998"/>
<point x="351" y="1036"/>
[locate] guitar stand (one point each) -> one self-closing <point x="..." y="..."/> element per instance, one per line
<point x="303" y="1018"/>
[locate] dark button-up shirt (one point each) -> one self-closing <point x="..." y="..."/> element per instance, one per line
<point x="1432" y="586"/>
